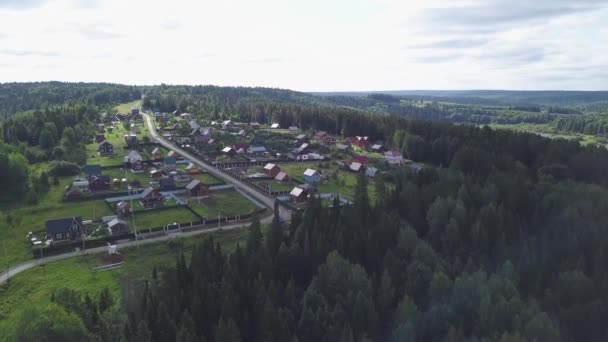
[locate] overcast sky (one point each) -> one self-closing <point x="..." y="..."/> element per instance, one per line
<point x="310" y="45"/>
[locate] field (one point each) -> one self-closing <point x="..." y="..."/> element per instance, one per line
<point x="549" y="132"/>
<point x="119" y="173"/>
<point x="32" y="218"/>
<point x="226" y="202"/>
<point x="208" y="179"/>
<point x="276" y="186"/>
<point x="157" y="218"/>
<point x="126" y="107"/>
<point x="35" y="286"/>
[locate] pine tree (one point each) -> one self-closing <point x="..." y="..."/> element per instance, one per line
<point x="227" y="331"/>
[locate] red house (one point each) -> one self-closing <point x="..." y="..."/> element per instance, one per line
<point x="282" y="177"/>
<point x="323" y="137"/>
<point x="196" y="188"/>
<point x="298" y="195"/>
<point x="99" y="183"/>
<point x="151" y="198"/>
<point x="361" y="142"/>
<point x="123" y="208"/>
<point x="271" y="170"/>
<point x="363" y="160"/>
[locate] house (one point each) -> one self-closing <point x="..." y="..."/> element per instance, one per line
<point x="167" y="183"/>
<point x="293" y="128"/>
<point x="192" y="169"/>
<point x="302" y="149"/>
<point x="134" y="161"/>
<point x="202" y="138"/>
<point x="275" y="126"/>
<point x="363" y="160"/>
<point x="301" y="137"/>
<point x="256" y="150"/>
<point x="271" y="170"/>
<point x="254" y="125"/>
<point x="186" y="116"/>
<point x="91" y="170"/>
<point x="376" y="148"/>
<point x="282" y="177"/>
<point x="360" y="141"/>
<point x="227" y="124"/>
<point x="196" y="188"/>
<point x="228" y="150"/>
<point x="160" y="117"/>
<point x="240" y="146"/>
<point x="393" y="157"/>
<point x="242" y="133"/>
<point x="64" y="229"/>
<point x="175" y="112"/>
<point x="134" y="111"/>
<point x="99" y="183"/>
<point x="371" y="172"/>
<point x="156" y="173"/>
<point x="131" y="139"/>
<point x="170" y="163"/>
<point x="312" y="176"/>
<point x="194" y="126"/>
<point x="157" y="154"/>
<point x="323" y="137"/>
<point x="298" y="195"/>
<point x="342" y="147"/>
<point x="99" y="138"/>
<point x="118" y="226"/>
<point x="81" y="184"/>
<point x="151" y="198"/>
<point x="355" y="167"/>
<point x="123" y="208"/>
<point x="174" y="155"/>
<point x="105" y="148"/>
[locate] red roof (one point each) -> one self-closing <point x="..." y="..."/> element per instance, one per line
<point x="361" y="160"/>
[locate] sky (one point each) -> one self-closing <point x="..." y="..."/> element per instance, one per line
<point x="312" y="45"/>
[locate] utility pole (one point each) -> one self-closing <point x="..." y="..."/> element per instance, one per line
<point x="8" y="263"/>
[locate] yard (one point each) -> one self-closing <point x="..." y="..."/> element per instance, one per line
<point x="120" y="173"/>
<point x="224" y="202"/>
<point x="35" y="286"/>
<point x="276" y="186"/>
<point x="161" y="217"/>
<point x="208" y="179"/>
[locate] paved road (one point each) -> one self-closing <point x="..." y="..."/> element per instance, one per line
<point x="264" y="199"/>
<point x="24" y="266"/>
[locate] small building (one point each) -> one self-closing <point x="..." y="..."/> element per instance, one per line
<point x="105" y="148"/>
<point x="118" y="226"/>
<point x="174" y="155"/>
<point x="393" y="157"/>
<point x="64" y="229"/>
<point x="99" y="183"/>
<point x="271" y="170"/>
<point x="342" y="147"/>
<point x="123" y="208"/>
<point x="360" y="141"/>
<point x="256" y="150"/>
<point x="294" y="128"/>
<point x="192" y="169"/>
<point x="186" y="116"/>
<point x="302" y="149"/>
<point x="242" y="133"/>
<point x="254" y="125"/>
<point x="371" y="172"/>
<point x="282" y="177"/>
<point x="99" y="138"/>
<point x="194" y="126"/>
<point x="298" y="195"/>
<point x="363" y="160"/>
<point x="131" y="139"/>
<point x="376" y="148"/>
<point x="151" y="198"/>
<point x="355" y="167"/>
<point x="134" y="111"/>
<point x="300" y="138"/>
<point x="156" y="173"/>
<point x="91" y="170"/>
<point x="134" y="161"/>
<point x="312" y="176"/>
<point x="157" y="153"/>
<point x="275" y="126"/>
<point x="227" y="124"/>
<point x="170" y="163"/>
<point x="197" y="189"/>
<point x="228" y="150"/>
<point x="167" y="183"/>
<point x="323" y="137"/>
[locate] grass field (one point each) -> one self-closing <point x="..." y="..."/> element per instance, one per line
<point x="157" y="218"/>
<point x="276" y="186"/>
<point x="33" y="218"/>
<point x="142" y="177"/>
<point x="208" y="179"/>
<point x="126" y="107"/>
<point x="35" y="286"/>
<point x="228" y="202"/>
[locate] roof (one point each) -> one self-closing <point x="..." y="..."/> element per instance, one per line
<point x="172" y="153"/>
<point x="134" y="155"/>
<point x="194" y="125"/>
<point x="166" y="181"/>
<point x="61" y="225"/>
<point x="193" y="184"/>
<point x="301" y="136"/>
<point x="156" y="150"/>
<point x="256" y="149"/>
<point x="122" y="205"/>
<point x="147" y="192"/>
<point x="227" y="122"/>
<point x="281" y="176"/>
<point x="101" y="178"/>
<point x="371" y="172"/>
<point x="310" y="172"/>
<point x="270" y="166"/>
<point x="170" y="160"/>
<point x="355" y="166"/>
<point x="297" y="192"/>
<point x="103" y="143"/>
<point x="342" y="146"/>
<point x="190" y="166"/>
<point x="392" y="154"/>
<point x="275" y="125"/>
<point x="376" y="146"/>
<point x="116" y="221"/>
<point x="227" y="149"/>
<point x="91" y="169"/>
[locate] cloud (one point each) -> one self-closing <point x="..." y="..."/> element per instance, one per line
<point x="21" y="4"/>
<point x="270" y="60"/>
<point x="23" y="53"/>
<point x="432" y="59"/>
<point x="459" y="43"/>
<point x="170" y="25"/>
<point x="205" y="55"/>
<point x="86" y="4"/>
<point x="95" y="33"/>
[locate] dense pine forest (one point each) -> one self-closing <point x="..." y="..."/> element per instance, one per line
<point x="501" y="238"/>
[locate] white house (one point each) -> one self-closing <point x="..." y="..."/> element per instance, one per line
<point x="393" y="158"/>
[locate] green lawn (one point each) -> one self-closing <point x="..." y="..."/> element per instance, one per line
<point x="208" y="179"/>
<point x="157" y="218"/>
<point x="126" y="107"/>
<point x="35" y="286"/>
<point x="228" y="202"/>
<point x="32" y="218"/>
<point x="276" y="186"/>
<point x="143" y="177"/>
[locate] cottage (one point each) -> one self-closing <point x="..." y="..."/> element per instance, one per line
<point x="196" y="188"/>
<point x="271" y="170"/>
<point x="167" y="183"/>
<point x="293" y="128"/>
<point x="123" y="208"/>
<point x="301" y="137"/>
<point x="298" y="195"/>
<point x="360" y="141"/>
<point x="302" y="149"/>
<point x="371" y="172"/>
<point x="312" y="176"/>
<point x="170" y="163"/>
<point x="134" y="160"/>
<point x="323" y="137"/>
<point x="99" y="183"/>
<point x="105" y="148"/>
<point x="186" y="116"/>
<point x="157" y="154"/>
<point x="174" y="155"/>
<point x="151" y="198"/>
<point x="192" y="169"/>
<point x="256" y="150"/>
<point x="227" y="124"/>
<point x="118" y="226"/>
<point x="91" y="170"/>
<point x="393" y="158"/>
<point x="134" y="111"/>
<point x="282" y="177"/>
<point x="202" y="139"/>
<point x="99" y="138"/>
<point x="355" y="167"/>
<point x="363" y="160"/>
<point x="254" y="125"/>
<point x="131" y="139"/>
<point x="275" y="126"/>
<point x="376" y="148"/>
<point x="228" y="150"/>
<point x="156" y="173"/>
<point x="342" y="147"/>
<point x="194" y="126"/>
<point x="64" y="229"/>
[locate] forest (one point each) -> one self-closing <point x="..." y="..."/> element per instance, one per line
<point x="502" y="237"/>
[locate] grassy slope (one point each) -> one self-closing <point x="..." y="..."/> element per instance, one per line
<point x="36" y="285"/>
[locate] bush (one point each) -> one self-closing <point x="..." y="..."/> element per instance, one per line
<point x="63" y="168"/>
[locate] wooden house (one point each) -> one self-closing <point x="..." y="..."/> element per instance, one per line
<point x="271" y="170"/>
<point x="282" y="177"/>
<point x="157" y="154"/>
<point x="197" y="189"/>
<point x="167" y="183"/>
<point x="123" y="208"/>
<point x="363" y="160"/>
<point x="312" y="176"/>
<point x="355" y="167"/>
<point x="118" y="226"/>
<point x="131" y="139"/>
<point x="298" y="195"/>
<point x="105" y="148"/>
<point x="192" y="169"/>
<point x="393" y="157"/>
<point x="170" y="163"/>
<point x="64" y="229"/>
<point x="151" y="198"/>
<point x="99" y="183"/>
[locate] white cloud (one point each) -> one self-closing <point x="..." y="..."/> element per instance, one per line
<point x="313" y="45"/>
